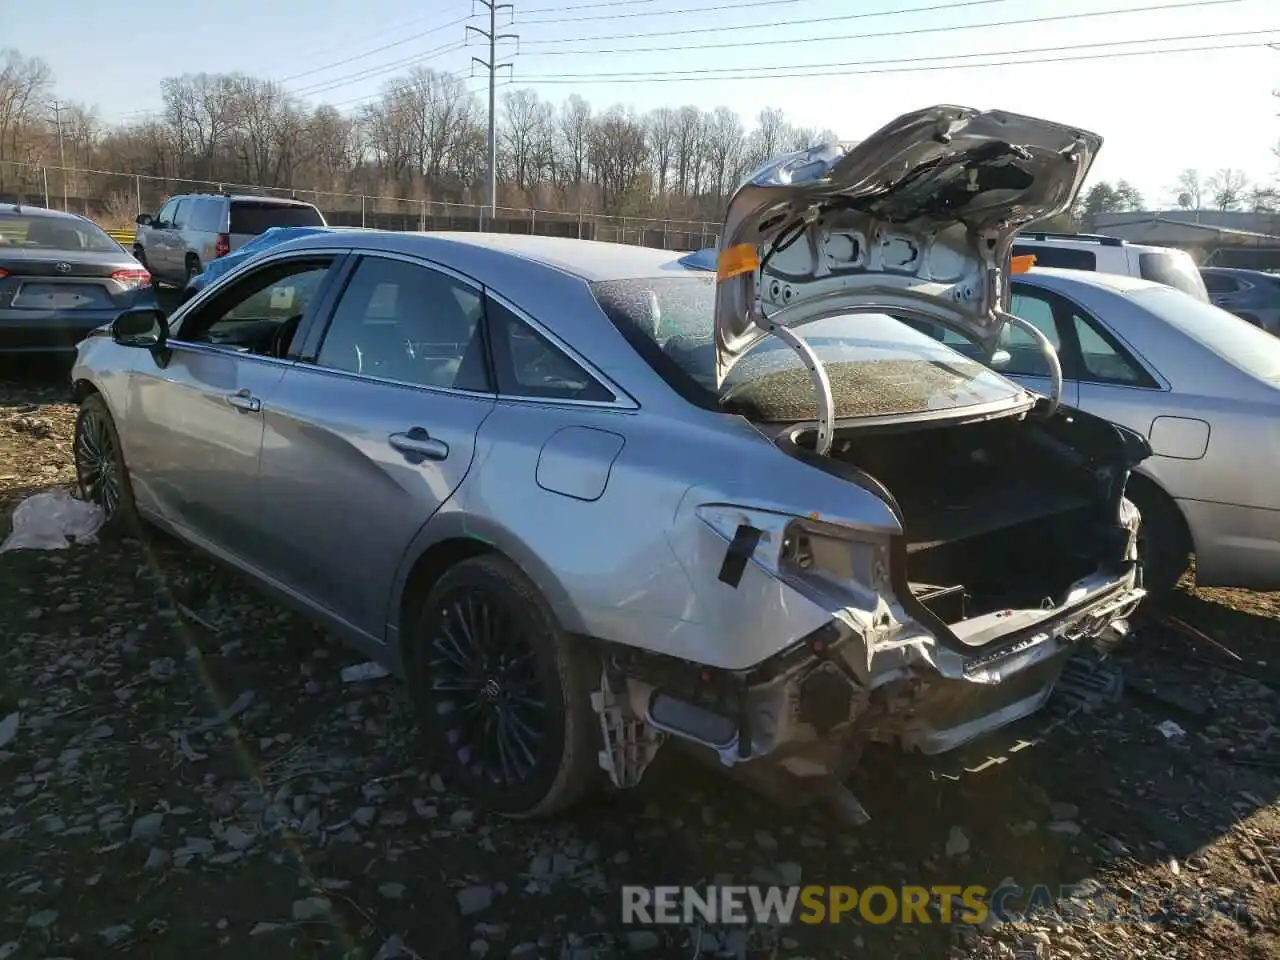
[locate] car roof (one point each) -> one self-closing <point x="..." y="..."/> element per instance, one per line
<point x="1056" y="277"/>
<point x="1240" y="271"/>
<point x="1091" y="240"/>
<point x="26" y="211"/>
<point x="589" y="260"/>
<point x="243" y="197"/>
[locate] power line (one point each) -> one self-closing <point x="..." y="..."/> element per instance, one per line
<point x="402" y="88"/>
<point x="931" y="8"/>
<point x="668" y="77"/>
<point x="339" y="82"/>
<point x="683" y="11"/>
<point x="369" y="53"/>
<point x="722" y="28"/>
<point x="604" y="3"/>
<point x="335" y="83"/>
<point x="889" y="33"/>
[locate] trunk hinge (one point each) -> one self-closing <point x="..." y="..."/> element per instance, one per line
<point x="817" y="374"/>
<point x="1050" y="356"/>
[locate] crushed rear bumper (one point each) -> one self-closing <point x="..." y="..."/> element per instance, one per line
<point x="794" y="725"/>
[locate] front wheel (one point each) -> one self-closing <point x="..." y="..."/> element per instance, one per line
<point x="503" y="691"/>
<point x="100" y="471"/>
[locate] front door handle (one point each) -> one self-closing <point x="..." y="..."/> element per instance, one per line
<point x="244" y="401"/>
<point x="418" y="443"/>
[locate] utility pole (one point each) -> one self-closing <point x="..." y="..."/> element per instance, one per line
<point x="62" y="158"/>
<point x="492" y="65"/>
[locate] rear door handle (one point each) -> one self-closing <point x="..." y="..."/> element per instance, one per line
<point x="417" y="442"/>
<point x="243" y="401"/>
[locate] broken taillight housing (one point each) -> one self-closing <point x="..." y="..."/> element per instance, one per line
<point x="222" y="246"/>
<point x="132" y="279"/>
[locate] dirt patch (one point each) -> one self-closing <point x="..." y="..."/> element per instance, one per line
<point x="212" y="787"/>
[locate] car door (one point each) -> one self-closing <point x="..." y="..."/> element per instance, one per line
<point x="158" y="243"/>
<point x="371" y="432"/>
<point x="194" y="419"/>
<point x="1022" y="360"/>
<point x="177" y="248"/>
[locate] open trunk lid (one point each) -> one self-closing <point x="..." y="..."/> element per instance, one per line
<point x="917" y="221"/>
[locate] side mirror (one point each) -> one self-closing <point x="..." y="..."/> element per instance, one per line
<point x="144" y="220"/>
<point x="145" y="327"/>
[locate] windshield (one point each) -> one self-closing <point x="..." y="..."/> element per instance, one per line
<point x="54" y="233"/>
<point x="1175" y="269"/>
<point x="877" y="365"/>
<point x="1237" y="341"/>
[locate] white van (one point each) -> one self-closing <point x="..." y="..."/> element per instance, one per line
<point x="1085" y="251"/>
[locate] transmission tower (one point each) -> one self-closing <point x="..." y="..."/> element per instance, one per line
<point x="492" y="66"/>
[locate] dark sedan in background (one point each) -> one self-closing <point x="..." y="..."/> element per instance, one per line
<point x="1250" y="294"/>
<point x="61" y="276"/>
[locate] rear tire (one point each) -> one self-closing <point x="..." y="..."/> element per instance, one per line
<point x="101" y="475"/>
<point x="1164" y="545"/>
<point x="503" y="691"/>
<point x="193" y="270"/>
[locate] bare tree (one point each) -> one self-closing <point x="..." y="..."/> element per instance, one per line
<point x="25" y="86"/>
<point x="573" y="128"/>
<point x="661" y="130"/>
<point x="1190" y="194"/>
<point x="618" y="154"/>
<point x="522" y="136"/>
<point x="1227" y="187"/>
<point x="771" y="137"/>
<point x="723" y="148"/>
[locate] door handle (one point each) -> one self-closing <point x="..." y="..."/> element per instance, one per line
<point x="243" y="401"/>
<point x="417" y="442"/>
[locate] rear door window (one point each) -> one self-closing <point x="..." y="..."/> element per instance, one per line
<point x="1025" y="356"/>
<point x="206" y="217"/>
<point x="255" y="218"/>
<point x="1064" y="258"/>
<point x="1219" y="283"/>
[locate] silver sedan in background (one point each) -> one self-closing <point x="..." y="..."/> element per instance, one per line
<point x="1201" y="384"/>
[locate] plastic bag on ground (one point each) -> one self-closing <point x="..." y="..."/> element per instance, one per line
<point x="51" y="520"/>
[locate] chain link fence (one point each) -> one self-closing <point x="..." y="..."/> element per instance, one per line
<point x="113" y="200"/>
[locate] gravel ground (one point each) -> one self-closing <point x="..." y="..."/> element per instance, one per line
<point x="210" y="786"/>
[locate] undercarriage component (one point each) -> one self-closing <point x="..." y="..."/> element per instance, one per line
<point x="1087" y="682"/>
<point x="629" y="743"/>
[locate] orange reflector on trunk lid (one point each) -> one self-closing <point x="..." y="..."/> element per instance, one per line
<point x="735" y="261"/>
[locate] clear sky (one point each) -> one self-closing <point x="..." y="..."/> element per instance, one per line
<point x="1158" y="113"/>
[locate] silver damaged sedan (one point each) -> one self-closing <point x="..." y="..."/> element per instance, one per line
<point x="587" y="500"/>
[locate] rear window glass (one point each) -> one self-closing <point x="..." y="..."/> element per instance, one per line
<point x="256" y="218"/>
<point x="1173" y="269"/>
<point x="53" y="233"/>
<point x="1063" y="258"/>
<point x="1237" y="341"/>
<point x="877" y="365"/>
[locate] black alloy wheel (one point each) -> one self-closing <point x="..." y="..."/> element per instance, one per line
<point x="100" y="471"/>
<point x="487" y="688"/>
<point x="503" y="691"/>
